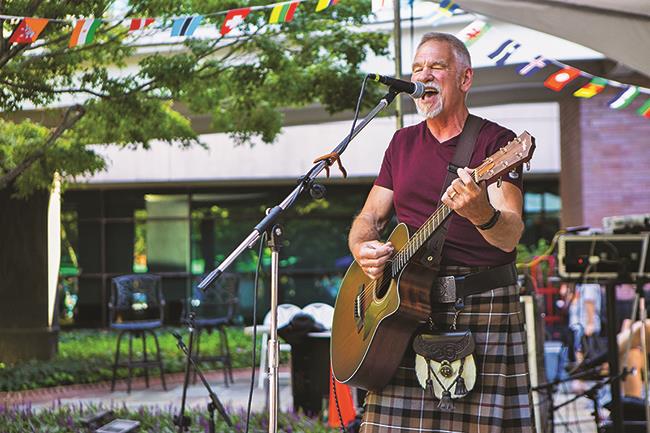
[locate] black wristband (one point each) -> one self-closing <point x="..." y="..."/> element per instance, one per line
<point x="491" y="223"/>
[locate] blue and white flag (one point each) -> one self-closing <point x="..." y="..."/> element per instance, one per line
<point x="186" y="26"/>
<point x="501" y="54"/>
<point x="535" y="65"/>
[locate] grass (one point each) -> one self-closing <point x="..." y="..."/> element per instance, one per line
<point x="86" y="356"/>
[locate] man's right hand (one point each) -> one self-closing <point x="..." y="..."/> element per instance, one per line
<point x="372" y="256"/>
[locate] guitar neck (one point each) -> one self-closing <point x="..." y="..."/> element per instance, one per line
<point x="422" y="235"/>
<point x="415" y="242"/>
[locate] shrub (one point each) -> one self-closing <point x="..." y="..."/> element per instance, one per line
<point x="86" y="356"/>
<point x="63" y="419"/>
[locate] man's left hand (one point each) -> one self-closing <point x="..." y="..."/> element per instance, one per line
<point x="468" y="199"/>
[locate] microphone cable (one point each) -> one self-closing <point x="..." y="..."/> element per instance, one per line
<point x="254" y="355"/>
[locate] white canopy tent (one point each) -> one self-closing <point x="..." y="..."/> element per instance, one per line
<point x="620" y="29"/>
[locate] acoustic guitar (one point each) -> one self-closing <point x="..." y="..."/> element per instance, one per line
<point x="375" y="319"/>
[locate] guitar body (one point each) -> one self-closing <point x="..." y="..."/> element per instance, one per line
<point x="368" y="346"/>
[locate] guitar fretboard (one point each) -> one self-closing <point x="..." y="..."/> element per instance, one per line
<point x="415" y="242"/>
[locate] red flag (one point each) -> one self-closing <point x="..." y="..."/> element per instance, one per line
<point x="28" y="30"/>
<point x="234" y="18"/>
<point x="561" y="78"/>
<point x="140" y="23"/>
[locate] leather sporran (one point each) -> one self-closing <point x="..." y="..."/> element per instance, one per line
<point x="444" y="364"/>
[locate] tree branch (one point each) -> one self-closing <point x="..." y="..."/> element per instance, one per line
<point x="53" y="91"/>
<point x="72" y="116"/>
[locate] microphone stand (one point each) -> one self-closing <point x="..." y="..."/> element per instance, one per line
<point x="305" y="182"/>
<point x="214" y="400"/>
<point x="183" y="421"/>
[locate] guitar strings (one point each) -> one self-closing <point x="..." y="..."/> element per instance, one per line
<point x="402" y="255"/>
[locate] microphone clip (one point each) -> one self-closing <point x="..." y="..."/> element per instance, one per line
<point x="330" y="158"/>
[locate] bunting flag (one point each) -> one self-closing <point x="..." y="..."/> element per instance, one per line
<point x="84" y="31"/>
<point x="28" y="30"/>
<point x="233" y="19"/>
<point x="377" y="5"/>
<point x="533" y="66"/>
<point x="624" y="98"/>
<point x="644" y="110"/>
<point x="324" y="4"/>
<point x="186" y="26"/>
<point x="447" y="7"/>
<point x="140" y="23"/>
<point x="505" y="50"/>
<point x="473" y="32"/>
<point x="283" y="13"/>
<point x="561" y="78"/>
<point x="592" y="88"/>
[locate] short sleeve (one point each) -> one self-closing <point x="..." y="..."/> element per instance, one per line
<point x="385" y="177"/>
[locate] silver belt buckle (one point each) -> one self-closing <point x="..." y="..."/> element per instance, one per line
<point x="445" y="290"/>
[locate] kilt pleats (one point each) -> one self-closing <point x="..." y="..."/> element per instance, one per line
<point x="500" y="400"/>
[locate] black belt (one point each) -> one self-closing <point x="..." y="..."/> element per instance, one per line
<point x="449" y="288"/>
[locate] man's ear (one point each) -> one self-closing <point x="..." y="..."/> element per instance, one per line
<point x="467" y="79"/>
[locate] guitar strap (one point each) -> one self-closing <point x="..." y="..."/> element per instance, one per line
<point x="461" y="158"/>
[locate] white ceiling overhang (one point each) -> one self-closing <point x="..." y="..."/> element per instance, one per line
<point x="619" y="29"/>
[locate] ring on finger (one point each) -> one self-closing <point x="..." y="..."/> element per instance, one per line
<point x="452" y="194"/>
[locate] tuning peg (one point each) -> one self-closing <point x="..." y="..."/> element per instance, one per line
<point x="499" y="182"/>
<point x="527" y="165"/>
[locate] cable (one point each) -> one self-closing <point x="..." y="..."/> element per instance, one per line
<point x="254" y="360"/>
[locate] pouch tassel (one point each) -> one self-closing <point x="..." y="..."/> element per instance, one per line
<point x="445" y="402"/>
<point x="461" y="389"/>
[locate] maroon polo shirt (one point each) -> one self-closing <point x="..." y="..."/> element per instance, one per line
<point x="414" y="168"/>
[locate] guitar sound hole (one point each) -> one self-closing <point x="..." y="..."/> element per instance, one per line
<point x="383" y="283"/>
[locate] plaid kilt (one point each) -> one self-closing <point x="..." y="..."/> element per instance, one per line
<point x="500" y="400"/>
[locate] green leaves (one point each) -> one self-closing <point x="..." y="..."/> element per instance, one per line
<point x="132" y="92"/>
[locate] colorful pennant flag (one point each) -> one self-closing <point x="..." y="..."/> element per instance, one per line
<point x="624" y="98"/>
<point x="186" y="26"/>
<point x="324" y="4"/>
<point x="447" y="7"/>
<point x="473" y="32"/>
<point x="561" y="78"/>
<point x="377" y="5"/>
<point x="234" y="18"/>
<point x="592" y="88"/>
<point x="84" y="31"/>
<point x="533" y="66"/>
<point x="644" y="110"/>
<point x="28" y="30"/>
<point x="283" y="13"/>
<point x="140" y="23"/>
<point x="505" y="50"/>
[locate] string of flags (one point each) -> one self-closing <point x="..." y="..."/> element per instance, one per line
<point x="559" y="79"/>
<point x="84" y="29"/>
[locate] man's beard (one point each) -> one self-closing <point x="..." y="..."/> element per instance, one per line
<point x="431" y="112"/>
<point x="425" y="110"/>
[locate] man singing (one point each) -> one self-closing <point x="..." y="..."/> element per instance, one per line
<point x="481" y="240"/>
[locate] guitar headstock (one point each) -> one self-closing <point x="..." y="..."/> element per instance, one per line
<point x="517" y="151"/>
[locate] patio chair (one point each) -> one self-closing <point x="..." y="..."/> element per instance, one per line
<point x="321" y="312"/>
<point x="137" y="307"/>
<point x="215" y="310"/>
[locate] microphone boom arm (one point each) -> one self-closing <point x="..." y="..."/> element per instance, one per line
<point x="276" y="211"/>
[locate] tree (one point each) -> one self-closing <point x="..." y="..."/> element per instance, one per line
<point x="243" y="81"/>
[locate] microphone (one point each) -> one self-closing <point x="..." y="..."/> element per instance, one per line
<point x="415" y="90"/>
